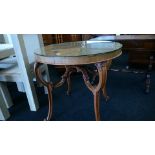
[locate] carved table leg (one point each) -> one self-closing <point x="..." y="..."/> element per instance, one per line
<point x="104" y="72"/>
<point x="95" y="74"/>
<point x="71" y="70"/>
<point x="95" y="89"/>
<point x="49" y="88"/>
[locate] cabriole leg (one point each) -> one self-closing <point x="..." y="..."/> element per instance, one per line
<point x="49" y="87"/>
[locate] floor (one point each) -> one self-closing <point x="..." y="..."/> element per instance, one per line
<point x="128" y="102"/>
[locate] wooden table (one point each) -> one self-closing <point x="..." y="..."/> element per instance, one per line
<point x="74" y="56"/>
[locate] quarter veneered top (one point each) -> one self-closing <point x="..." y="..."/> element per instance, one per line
<point x="80" y="48"/>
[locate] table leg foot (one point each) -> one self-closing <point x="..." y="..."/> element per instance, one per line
<point x="96" y="106"/>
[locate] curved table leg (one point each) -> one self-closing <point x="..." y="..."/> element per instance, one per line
<point x="49" y="116"/>
<point x="95" y="74"/>
<point x="70" y="71"/>
<point x="95" y="89"/>
<point x="49" y="88"/>
<point x="104" y="72"/>
<point x="102" y="69"/>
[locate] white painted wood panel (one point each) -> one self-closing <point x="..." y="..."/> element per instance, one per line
<point x="23" y="63"/>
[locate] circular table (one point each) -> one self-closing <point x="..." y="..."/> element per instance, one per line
<point x="74" y="56"/>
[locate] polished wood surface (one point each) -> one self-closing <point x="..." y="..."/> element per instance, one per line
<point x="78" y="60"/>
<point x="61" y="38"/>
<point x="79" y="53"/>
